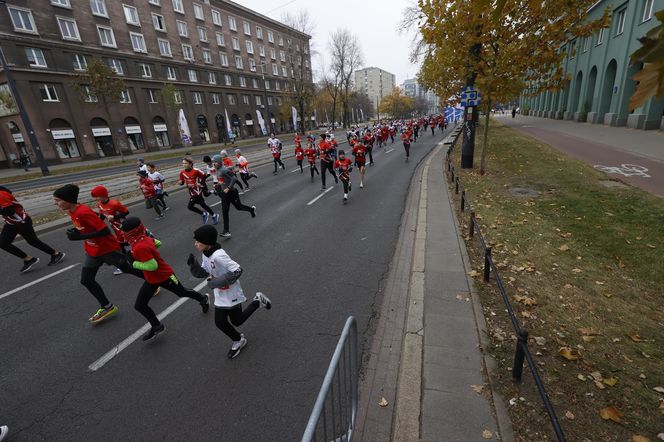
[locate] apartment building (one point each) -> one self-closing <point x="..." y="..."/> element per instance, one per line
<point x="375" y="83"/>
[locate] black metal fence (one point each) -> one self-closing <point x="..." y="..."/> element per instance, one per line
<point x="522" y="352"/>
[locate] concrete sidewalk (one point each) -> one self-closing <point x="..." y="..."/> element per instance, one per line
<point x="427" y="358"/>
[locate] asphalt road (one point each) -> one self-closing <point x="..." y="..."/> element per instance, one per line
<point x="318" y="261"/>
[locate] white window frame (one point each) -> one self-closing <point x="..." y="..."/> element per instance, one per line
<point x="267" y="84"/>
<point x="198" y="12"/>
<point x="252" y="65"/>
<point x="145" y="70"/>
<point x="37" y="56"/>
<point x="282" y="56"/>
<point x="187" y="48"/>
<point x="171" y="73"/>
<point x="197" y="97"/>
<point x="163" y="43"/>
<point x="212" y="78"/>
<point x="178" y="6"/>
<point x="125" y="97"/>
<point x="223" y="58"/>
<point x="231" y="99"/>
<point x="215" y="98"/>
<point x="254" y="83"/>
<point x="128" y="9"/>
<point x="113" y="44"/>
<point x="243" y="82"/>
<point x="135" y="35"/>
<point x="28" y="15"/>
<point x="61" y="3"/>
<point x="116" y="66"/>
<point x="647" y="10"/>
<point x="182" y="26"/>
<point x="275" y="69"/>
<point x="250" y="46"/>
<point x="620" y="22"/>
<point x="216" y="17"/>
<point x="281" y="40"/>
<point x="155" y="2"/>
<point x="235" y="43"/>
<point x="600" y="37"/>
<point x="177" y="97"/>
<point x="246" y="99"/>
<point x="221" y="40"/>
<point x="270" y="36"/>
<point x="152" y="96"/>
<point x="269" y="101"/>
<point x="69" y="20"/>
<point x="239" y="64"/>
<point x="586" y="44"/>
<point x="192" y="75"/>
<point x="246" y="27"/>
<point x="228" y="80"/>
<point x="207" y="56"/>
<point x="261" y="50"/>
<point x="259" y="100"/>
<point x="259" y="32"/>
<point x="52" y="98"/>
<point x="158" y="19"/>
<point x="232" y="23"/>
<point x="273" y="54"/>
<point x="88" y="96"/>
<point x="284" y="71"/>
<point x="202" y="33"/>
<point x="98" y="13"/>
<point x="76" y="62"/>
<point x="277" y="85"/>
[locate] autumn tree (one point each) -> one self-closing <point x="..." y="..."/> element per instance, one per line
<point x="346" y="57"/>
<point x="102" y="82"/>
<point x="396" y="104"/>
<point x="650" y="79"/>
<point x="499" y="46"/>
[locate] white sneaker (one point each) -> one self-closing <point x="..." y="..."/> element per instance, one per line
<point x="117" y="272"/>
<point x="4" y="430"/>
<point x="237" y="347"/>
<point x="263" y="300"/>
<point x="361" y="185"/>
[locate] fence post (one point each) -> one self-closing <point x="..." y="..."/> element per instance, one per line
<point x="521" y="341"/>
<point x="487" y="264"/>
<point x="456" y="185"/>
<point x="463" y="200"/>
<point x="452" y="175"/>
<point x="471" y="224"/>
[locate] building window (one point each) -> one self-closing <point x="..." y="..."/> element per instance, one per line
<point x="131" y="15"/>
<point x="187" y="52"/>
<point x="273" y="54"/>
<point x="153" y="95"/>
<point x="246" y="27"/>
<point x="620" y="21"/>
<point x="572" y="49"/>
<point x="212" y="78"/>
<point x="261" y="50"/>
<point x="254" y="83"/>
<point x="155" y="2"/>
<point x="275" y="69"/>
<point x="192" y="75"/>
<point x="228" y="80"/>
<point x="284" y="71"/>
<point x="250" y="47"/>
<point x="61" y="3"/>
<point x="125" y="97"/>
<point x="600" y="37"/>
<point x="177" y="97"/>
<point x="252" y="65"/>
<point x="216" y="17"/>
<point x="178" y="6"/>
<point x="269" y="101"/>
<point x="236" y="43"/>
<point x="223" y="58"/>
<point x="281" y="40"/>
<point x="48" y="92"/>
<point x="232" y="23"/>
<point x="198" y="99"/>
<point x="36" y="57"/>
<point x="171" y="73"/>
<point x="137" y="42"/>
<point x="231" y="99"/>
<point x="238" y="62"/>
<point x="586" y="44"/>
<point x="165" y="48"/>
<point x="79" y="62"/>
<point x="270" y="36"/>
<point x="267" y="84"/>
<point x="116" y="66"/>
<point x="202" y="34"/>
<point x="68" y="29"/>
<point x="198" y="12"/>
<point x="106" y="37"/>
<point x="22" y="20"/>
<point x="245" y="99"/>
<point x="243" y="82"/>
<point x="158" y="22"/>
<point x="145" y="70"/>
<point x="215" y="98"/>
<point x="259" y="33"/>
<point x="277" y="85"/>
<point x="207" y="58"/>
<point x="647" y="9"/>
<point x="98" y="7"/>
<point x="88" y="96"/>
<point x="282" y="56"/>
<point x="221" y="42"/>
<point x="259" y="101"/>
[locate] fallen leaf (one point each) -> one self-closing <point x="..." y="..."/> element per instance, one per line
<point x="383" y="402"/>
<point x="651" y="246"/>
<point x="659" y="389"/>
<point x="581" y="377"/>
<point x="576" y="270"/>
<point x="638" y="438"/>
<point x="611" y="413"/>
<point x="599" y="282"/>
<point x="599" y="385"/>
<point x="568" y="286"/>
<point x="570" y="354"/>
<point x="540" y="340"/>
<point x="634" y="336"/>
<point x="596" y="375"/>
<point x="587" y="338"/>
<point x="660" y="436"/>
<point x="478" y="388"/>
<point x="525" y="300"/>
<point x="661" y="407"/>
<point x="473" y="273"/>
<point x="587" y="331"/>
<point x="610" y="381"/>
<point x="569" y="415"/>
<point x="563" y="248"/>
<point x="486" y="434"/>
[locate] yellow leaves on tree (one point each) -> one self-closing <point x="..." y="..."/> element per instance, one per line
<point x="650" y="79"/>
<point x="396" y="104"/>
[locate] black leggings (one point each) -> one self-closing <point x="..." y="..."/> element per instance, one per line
<point x="232" y="197"/>
<point x="327" y="166"/>
<point x="407" y="149"/>
<point x="9" y="232"/>
<point x="147" y="291"/>
<point x="370" y="150"/>
<point x="237" y="317"/>
<point x="299" y="163"/>
<point x="91" y="266"/>
<point x="313" y="168"/>
<point x="346" y="184"/>
<point x="198" y="199"/>
<point x="246" y="176"/>
<point x="277" y="160"/>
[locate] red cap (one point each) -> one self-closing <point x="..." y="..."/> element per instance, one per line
<point x="99" y="192"/>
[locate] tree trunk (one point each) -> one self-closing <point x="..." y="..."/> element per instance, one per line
<point x="485" y="135"/>
<point x="114" y="137"/>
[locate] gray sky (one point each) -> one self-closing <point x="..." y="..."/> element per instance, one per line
<point x="373" y="21"/>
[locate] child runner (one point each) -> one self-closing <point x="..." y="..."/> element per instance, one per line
<point x="230" y="164"/>
<point x="326" y="162"/>
<point x="405" y="136"/>
<point x="223" y="276"/>
<point x="100" y="247"/>
<point x="113" y="211"/>
<point x="147" y="187"/>
<point x="275" y="147"/>
<point x="18" y="222"/>
<point x="360" y="154"/>
<point x="243" y="167"/>
<point x="344" y="165"/>
<point x="157" y="273"/>
<point x="194" y="179"/>
<point x="299" y="156"/>
<point x="229" y="194"/>
<point x="310" y="152"/>
<point x="158" y="180"/>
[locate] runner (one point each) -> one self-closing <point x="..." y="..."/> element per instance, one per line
<point x="326" y="162"/>
<point x="230" y="164"/>
<point x="405" y="137"/>
<point x="368" y="140"/>
<point x="229" y="194"/>
<point x="158" y="180"/>
<point x="157" y="273"/>
<point x="299" y="156"/>
<point x="147" y="187"/>
<point x="223" y="276"/>
<point x="194" y="179"/>
<point x="141" y="164"/>
<point x="311" y="154"/>
<point x="344" y="165"/>
<point x="243" y="167"/>
<point x="100" y="247"/>
<point x="275" y="147"/>
<point x="360" y="155"/>
<point x="18" y="222"/>
<point x="113" y="211"/>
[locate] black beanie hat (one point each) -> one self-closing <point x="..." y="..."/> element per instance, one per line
<point x="206" y="234"/>
<point x="68" y="192"/>
<point x="142" y="173"/>
<point x="130" y="223"/>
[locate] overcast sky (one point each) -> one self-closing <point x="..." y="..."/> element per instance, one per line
<point x="373" y="21"/>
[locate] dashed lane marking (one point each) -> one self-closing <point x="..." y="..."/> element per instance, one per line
<point x="37" y="281"/>
<point x="319" y="196"/>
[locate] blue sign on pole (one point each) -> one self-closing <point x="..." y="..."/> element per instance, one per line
<point x="470" y="97"/>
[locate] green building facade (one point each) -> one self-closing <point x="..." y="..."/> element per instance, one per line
<point x="600" y="75"/>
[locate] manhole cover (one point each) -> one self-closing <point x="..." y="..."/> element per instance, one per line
<point x="613" y="184"/>
<point x="523" y="192"/>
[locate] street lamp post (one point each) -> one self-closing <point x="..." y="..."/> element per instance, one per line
<point x="24" y="115"/>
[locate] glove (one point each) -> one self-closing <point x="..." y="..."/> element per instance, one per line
<point x="195" y="267"/>
<point x="157" y="243"/>
<point x="73" y="234"/>
<point x="350" y="169"/>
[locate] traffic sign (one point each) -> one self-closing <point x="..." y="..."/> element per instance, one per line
<point x="470" y="97"/>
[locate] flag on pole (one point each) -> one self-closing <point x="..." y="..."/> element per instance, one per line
<point x="362" y="112"/>
<point x="261" y="122"/>
<point x="294" y="112"/>
<point x="231" y="134"/>
<point x="327" y="119"/>
<point x="184" y="128"/>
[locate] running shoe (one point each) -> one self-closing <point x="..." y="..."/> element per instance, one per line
<point x="205" y="217"/>
<point x="361" y="185"/>
<point x="166" y="208"/>
<point x="264" y="300"/>
<point x="225" y="234"/>
<point x="117" y="272"/>
<point x="27" y="265"/>
<point x="247" y="189"/>
<point x="345" y="199"/>
<point x="254" y="175"/>
<point x="4" y="430"/>
<point x="215" y="219"/>
<point x="237" y="347"/>
<point x="253" y="211"/>
<point x="103" y="313"/>
<point x="322" y="187"/>
<point x="205" y="303"/>
<point x="56" y="258"/>
<point x="156" y="292"/>
<point x="154" y="332"/>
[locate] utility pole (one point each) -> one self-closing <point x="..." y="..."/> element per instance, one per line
<point x="24" y="115"/>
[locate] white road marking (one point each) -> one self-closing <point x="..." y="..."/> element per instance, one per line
<point x="37" y="281"/>
<point x="388" y="151"/>
<point x="99" y="363"/>
<point x="298" y="169"/>
<point x="215" y="204"/>
<point x="319" y="196"/>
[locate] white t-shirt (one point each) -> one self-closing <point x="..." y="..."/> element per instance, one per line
<point x="158" y="180"/>
<point x="218" y="264"/>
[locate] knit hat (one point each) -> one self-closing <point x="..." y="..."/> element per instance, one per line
<point x="130" y="223"/>
<point x="206" y="234"/>
<point x="207" y="159"/>
<point x="142" y="173"/>
<point x="99" y="192"/>
<point x="216" y="158"/>
<point x="223" y="153"/>
<point x="68" y="192"/>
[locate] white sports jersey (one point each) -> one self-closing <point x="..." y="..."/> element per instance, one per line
<point x="218" y="264"/>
